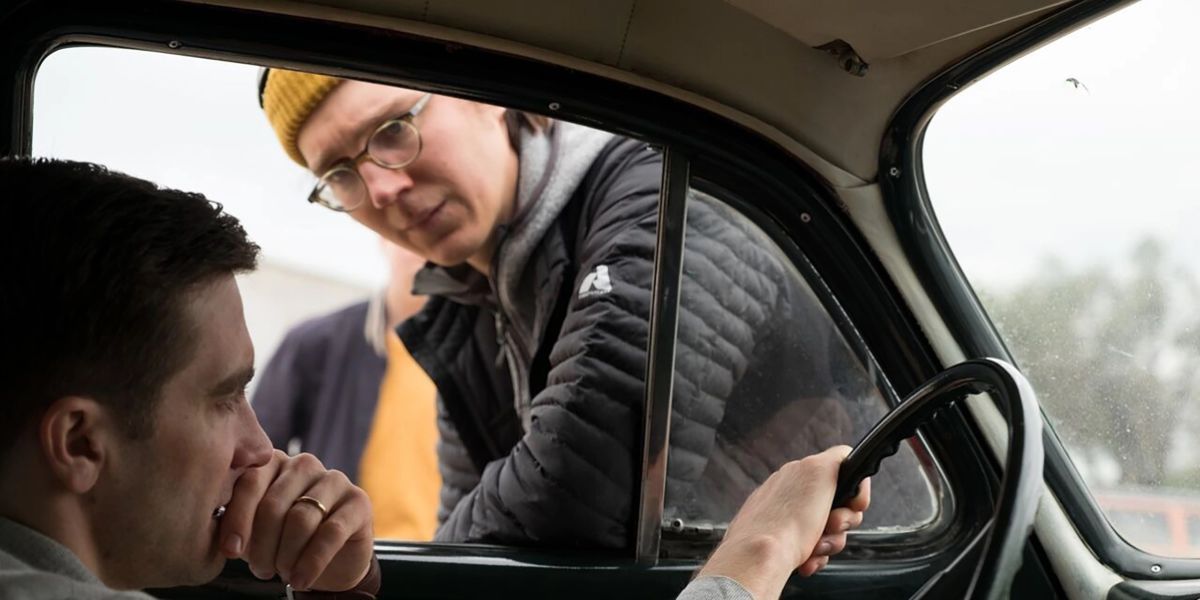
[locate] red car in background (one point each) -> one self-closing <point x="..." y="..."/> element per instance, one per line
<point x="1163" y="524"/>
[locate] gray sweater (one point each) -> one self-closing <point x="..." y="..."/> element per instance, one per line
<point x="714" y="588"/>
<point x="35" y="567"/>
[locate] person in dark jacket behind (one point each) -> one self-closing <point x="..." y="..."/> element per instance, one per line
<point x="541" y="239"/>
<point x="344" y="388"/>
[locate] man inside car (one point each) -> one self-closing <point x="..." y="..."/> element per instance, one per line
<point x="130" y="457"/>
<point x="132" y="460"/>
<point x="540" y="237"/>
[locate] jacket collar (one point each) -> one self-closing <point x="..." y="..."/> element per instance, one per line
<point x="552" y="165"/>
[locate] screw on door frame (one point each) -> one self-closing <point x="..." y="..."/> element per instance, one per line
<point x="847" y="58"/>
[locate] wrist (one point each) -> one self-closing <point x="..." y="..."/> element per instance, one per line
<point x="772" y="551"/>
<point x="761" y="563"/>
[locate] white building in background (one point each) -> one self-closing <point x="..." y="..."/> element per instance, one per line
<point x="278" y="296"/>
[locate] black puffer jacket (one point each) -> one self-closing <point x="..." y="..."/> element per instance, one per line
<point x="749" y="335"/>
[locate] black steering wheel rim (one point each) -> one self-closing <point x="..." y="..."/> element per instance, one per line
<point x="1021" y="484"/>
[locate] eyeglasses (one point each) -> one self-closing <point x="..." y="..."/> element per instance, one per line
<point x="395" y="144"/>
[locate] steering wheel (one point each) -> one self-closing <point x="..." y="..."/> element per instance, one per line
<point x="1004" y="538"/>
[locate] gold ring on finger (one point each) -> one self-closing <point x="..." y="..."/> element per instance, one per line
<point x="314" y="502"/>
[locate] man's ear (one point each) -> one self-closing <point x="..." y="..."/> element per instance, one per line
<point x="73" y="437"/>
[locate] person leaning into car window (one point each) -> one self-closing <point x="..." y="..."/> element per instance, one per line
<point x="540" y="239"/>
<point x="129" y="457"/>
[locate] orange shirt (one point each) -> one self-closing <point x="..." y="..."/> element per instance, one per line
<point x="399" y="469"/>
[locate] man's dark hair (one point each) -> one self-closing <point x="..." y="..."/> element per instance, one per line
<point x="98" y="270"/>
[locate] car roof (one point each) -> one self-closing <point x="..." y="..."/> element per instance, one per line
<point x="756" y="61"/>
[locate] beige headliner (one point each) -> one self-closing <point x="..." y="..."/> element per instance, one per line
<point x="752" y="60"/>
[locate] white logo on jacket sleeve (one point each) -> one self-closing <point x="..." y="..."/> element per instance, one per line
<point x="596" y="283"/>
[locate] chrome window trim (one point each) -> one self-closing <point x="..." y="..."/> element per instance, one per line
<point x="660" y="364"/>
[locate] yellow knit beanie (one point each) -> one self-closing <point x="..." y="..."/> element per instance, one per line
<point x="288" y="98"/>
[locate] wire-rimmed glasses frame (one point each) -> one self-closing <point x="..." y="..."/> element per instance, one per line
<point x="341" y="187"/>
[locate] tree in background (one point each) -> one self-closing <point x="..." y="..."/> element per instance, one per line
<point x="1112" y="352"/>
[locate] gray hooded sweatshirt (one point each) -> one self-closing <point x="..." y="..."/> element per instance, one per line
<point x="35" y="567"/>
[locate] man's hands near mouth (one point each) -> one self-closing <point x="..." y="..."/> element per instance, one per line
<point x="267" y="526"/>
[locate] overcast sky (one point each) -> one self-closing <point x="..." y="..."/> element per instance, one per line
<point x="195" y="125"/>
<point x="1024" y="164"/>
<point x="1019" y="166"/>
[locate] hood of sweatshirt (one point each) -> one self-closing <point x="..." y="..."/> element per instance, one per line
<point x="552" y="165"/>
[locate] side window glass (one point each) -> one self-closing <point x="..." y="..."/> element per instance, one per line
<point x="1147" y="528"/>
<point x="763" y="375"/>
<point x="1193" y="533"/>
<point x="1064" y="184"/>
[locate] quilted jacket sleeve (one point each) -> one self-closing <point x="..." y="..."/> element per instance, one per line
<point x="571" y="479"/>
<point x="755" y="374"/>
<point x="458" y="473"/>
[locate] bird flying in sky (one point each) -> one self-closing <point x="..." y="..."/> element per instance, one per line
<point x="1078" y="84"/>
